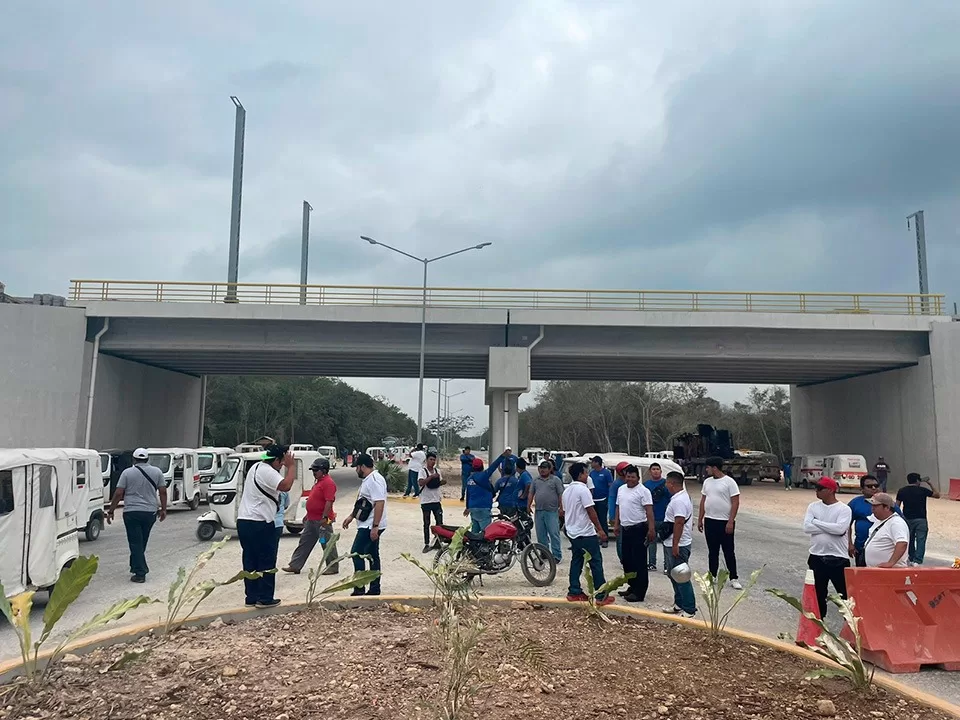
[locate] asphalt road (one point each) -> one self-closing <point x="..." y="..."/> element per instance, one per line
<point x="173" y="544"/>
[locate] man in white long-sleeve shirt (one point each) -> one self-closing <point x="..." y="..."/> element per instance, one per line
<point x="827" y="522"/>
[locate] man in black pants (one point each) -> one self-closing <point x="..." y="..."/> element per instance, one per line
<point x="431" y="497"/>
<point x="827" y="522"/>
<point x="719" y="505"/>
<point x="633" y="523"/>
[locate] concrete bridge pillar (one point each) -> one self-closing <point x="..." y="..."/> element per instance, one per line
<point x="909" y="416"/>
<point x="508" y="376"/>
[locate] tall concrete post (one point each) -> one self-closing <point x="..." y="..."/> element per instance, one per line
<point x="304" y="251"/>
<point x="921" y="257"/>
<point x="234" y="259"/>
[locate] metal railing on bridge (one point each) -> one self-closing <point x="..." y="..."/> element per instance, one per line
<point x="516" y="298"/>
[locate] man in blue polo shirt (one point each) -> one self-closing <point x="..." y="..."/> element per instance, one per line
<point x="661" y="498"/>
<point x="602" y="480"/>
<point x="480" y="493"/>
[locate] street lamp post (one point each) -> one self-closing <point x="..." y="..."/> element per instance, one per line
<point x="423" y="311"/>
<point x="304" y="250"/>
<point x="917" y="217"/>
<point x="233" y="259"/>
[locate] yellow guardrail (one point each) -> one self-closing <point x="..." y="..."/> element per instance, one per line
<point x="516" y="298"/>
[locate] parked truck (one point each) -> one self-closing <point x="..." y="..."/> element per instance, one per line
<point x="691" y="451"/>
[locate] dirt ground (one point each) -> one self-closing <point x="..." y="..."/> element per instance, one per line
<point x="376" y="663"/>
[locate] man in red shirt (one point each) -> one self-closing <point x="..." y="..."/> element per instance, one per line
<point x="318" y="523"/>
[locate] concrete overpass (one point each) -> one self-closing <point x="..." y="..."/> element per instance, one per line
<point x="875" y="374"/>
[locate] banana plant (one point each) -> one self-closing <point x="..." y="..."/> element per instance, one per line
<point x="72" y="582"/>
<point x="594" y="609"/>
<point x="711" y="589"/>
<point x="831" y="645"/>
<point x="358" y="579"/>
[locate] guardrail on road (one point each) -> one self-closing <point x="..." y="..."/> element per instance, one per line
<point x="522" y="298"/>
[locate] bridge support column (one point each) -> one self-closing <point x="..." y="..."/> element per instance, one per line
<point x="508" y="377"/>
<point x="911" y="416"/>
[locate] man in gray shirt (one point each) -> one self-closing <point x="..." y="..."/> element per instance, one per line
<point x="143" y="491"/>
<point x="545" y="493"/>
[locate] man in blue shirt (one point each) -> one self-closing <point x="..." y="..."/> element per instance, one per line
<point x="602" y="480"/>
<point x="480" y="494"/>
<point x="526" y="482"/>
<point x="862" y="511"/>
<point x="508" y="489"/>
<point x="466" y="467"/>
<point x="618" y="482"/>
<point x="661" y="498"/>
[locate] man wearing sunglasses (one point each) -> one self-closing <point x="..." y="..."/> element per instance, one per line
<point x="861" y="511"/>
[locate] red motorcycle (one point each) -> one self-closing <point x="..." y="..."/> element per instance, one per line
<point x="496" y="550"/>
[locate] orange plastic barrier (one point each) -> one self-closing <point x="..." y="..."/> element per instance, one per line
<point x="910" y="616"/>
<point x="807" y="630"/>
<point x="955" y="488"/>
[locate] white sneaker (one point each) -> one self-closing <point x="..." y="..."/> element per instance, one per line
<point x="685" y="614"/>
<point x="672" y="611"/>
<point x="736" y="585"/>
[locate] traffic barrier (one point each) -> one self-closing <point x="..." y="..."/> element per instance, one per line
<point x="807" y="630"/>
<point x="908" y="616"/>
<point x="955" y="488"/>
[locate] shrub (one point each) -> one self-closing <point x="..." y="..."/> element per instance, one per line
<point x="394" y="474"/>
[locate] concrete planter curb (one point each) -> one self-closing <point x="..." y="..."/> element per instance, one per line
<point x="11" y="669"/>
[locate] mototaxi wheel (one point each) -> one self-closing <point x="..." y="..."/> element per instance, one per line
<point x="538" y="565"/>
<point x="206" y="531"/>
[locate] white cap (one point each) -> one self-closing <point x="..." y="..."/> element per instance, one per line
<point x="140" y="454"/>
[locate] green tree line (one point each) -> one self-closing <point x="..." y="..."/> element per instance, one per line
<point x="315" y="410"/>
<point x="638" y="417"/>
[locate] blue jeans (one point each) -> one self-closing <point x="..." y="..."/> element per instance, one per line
<point x="581" y="545"/>
<point x="463" y="485"/>
<point x="138" y="524"/>
<point x="363" y="544"/>
<point x="918" y="540"/>
<point x="547" y="525"/>
<point x="683" y="596"/>
<point x="413" y="487"/>
<point x="479" y="519"/>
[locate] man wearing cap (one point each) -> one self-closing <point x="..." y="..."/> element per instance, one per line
<point x="370" y="512"/>
<point x="827" y="522"/>
<point x="545" y="492"/>
<point x="144" y="494"/>
<point x="912" y="499"/>
<point x="480" y="493"/>
<point x="602" y="480"/>
<point x="318" y="523"/>
<point x="886" y="545"/>
<point x="255" y="521"/>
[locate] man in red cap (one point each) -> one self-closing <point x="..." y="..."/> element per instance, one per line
<point x="827" y="522"/>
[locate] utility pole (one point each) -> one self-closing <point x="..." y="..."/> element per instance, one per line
<point x="304" y="251"/>
<point x="439" y="398"/>
<point x="233" y="261"/>
<point x="921" y="257"/>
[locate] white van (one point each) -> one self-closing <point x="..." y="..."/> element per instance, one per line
<point x="611" y="460"/>
<point x="845" y="469"/>
<point x="533" y="455"/>
<point x="330" y="453"/>
<point x="39" y="505"/>
<point x="301" y="448"/>
<point x="377" y="452"/>
<point x="660" y="455"/>
<point x="806" y="470"/>
<point x="86" y="470"/>
<point x="226" y="489"/>
<point x="179" y="468"/>
<point x="209" y="462"/>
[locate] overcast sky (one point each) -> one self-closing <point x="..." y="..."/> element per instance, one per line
<point x="769" y="145"/>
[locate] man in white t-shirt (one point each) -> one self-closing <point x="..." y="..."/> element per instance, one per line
<point x="431" y="497"/>
<point x="418" y="458"/>
<point x="827" y="522"/>
<point x="370" y="512"/>
<point x="719" y="505"/>
<point x="889" y="537"/>
<point x="677" y="545"/>
<point x="583" y="528"/>
<point x="259" y="505"/>
<point x="633" y="523"/>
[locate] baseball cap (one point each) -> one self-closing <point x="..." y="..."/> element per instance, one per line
<point x="545" y="463"/>
<point x="597" y="459"/>
<point x="827" y="484"/>
<point x="882" y="499"/>
<point x="477" y="464"/>
<point x="363" y="460"/>
<point x="320" y="464"/>
<point x="141" y="454"/>
<point x="622" y="465"/>
<point x="274" y="452"/>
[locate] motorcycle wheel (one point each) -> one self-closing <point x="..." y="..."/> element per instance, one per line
<point x="538" y="565"/>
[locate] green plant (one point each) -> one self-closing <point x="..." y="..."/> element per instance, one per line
<point x="358" y="579"/>
<point x="594" y="609"/>
<point x="394" y="474"/>
<point x="72" y="582"/>
<point x="711" y="589"/>
<point x="833" y="646"/>
<point x="463" y="679"/>
<point x="185" y="593"/>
